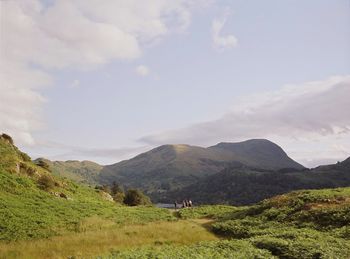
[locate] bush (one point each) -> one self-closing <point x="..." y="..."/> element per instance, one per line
<point x="46" y="182"/>
<point x="26" y="169"/>
<point x="134" y="197"/>
<point x="119" y="197"/>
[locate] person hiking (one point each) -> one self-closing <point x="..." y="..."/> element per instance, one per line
<point x="189" y="203"/>
<point x="183" y="204"/>
<point x="175" y="205"/>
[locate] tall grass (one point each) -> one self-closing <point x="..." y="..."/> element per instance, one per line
<point x="108" y="238"/>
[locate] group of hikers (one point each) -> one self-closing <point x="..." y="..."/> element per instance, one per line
<point x="185" y="204"/>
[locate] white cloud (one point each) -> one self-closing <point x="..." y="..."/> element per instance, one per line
<point x="220" y="41"/>
<point x="142" y="70"/>
<point x="308" y="112"/>
<point x="37" y="37"/>
<point x="58" y="151"/>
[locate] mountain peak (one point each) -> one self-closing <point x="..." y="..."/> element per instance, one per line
<point x="261" y="152"/>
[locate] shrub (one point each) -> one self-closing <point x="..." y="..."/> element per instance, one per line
<point x="46" y="182"/>
<point x="134" y="197"/>
<point x="119" y="197"/>
<point x="26" y="169"/>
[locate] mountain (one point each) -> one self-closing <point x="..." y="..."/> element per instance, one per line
<point x="170" y="167"/>
<point x="259" y="153"/>
<point x="80" y="171"/>
<point x="243" y="185"/>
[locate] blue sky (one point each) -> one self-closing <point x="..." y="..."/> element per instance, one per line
<point x="95" y="101"/>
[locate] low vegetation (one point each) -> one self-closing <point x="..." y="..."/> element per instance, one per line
<point x="36" y="204"/>
<point x="304" y="224"/>
<point x="46" y="216"/>
<point x="207" y="211"/>
<point x="102" y="237"/>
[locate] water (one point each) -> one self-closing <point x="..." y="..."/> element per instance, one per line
<point x="165" y="205"/>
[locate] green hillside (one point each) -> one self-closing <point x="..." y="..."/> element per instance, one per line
<point x="259" y="153"/>
<point x="304" y="224"/>
<point x="43" y="215"/>
<point x="36" y="204"/>
<point x="80" y="171"/>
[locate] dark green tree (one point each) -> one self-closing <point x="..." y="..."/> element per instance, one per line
<point x="116" y="188"/>
<point x="134" y="197"/>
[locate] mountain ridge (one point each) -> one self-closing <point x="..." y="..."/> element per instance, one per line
<point x="174" y="166"/>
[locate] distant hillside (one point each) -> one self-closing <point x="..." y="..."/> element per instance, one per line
<point x="170" y="167"/>
<point x="243" y="185"/>
<point x="259" y="153"/>
<point x="80" y="171"/>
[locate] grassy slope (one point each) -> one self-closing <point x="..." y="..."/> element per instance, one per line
<point x="27" y="211"/>
<point x="80" y="171"/>
<point x="305" y="224"/>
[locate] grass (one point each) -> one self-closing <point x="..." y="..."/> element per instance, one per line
<point x="234" y="249"/>
<point x="304" y="224"/>
<point x="26" y="212"/>
<point x="69" y="220"/>
<point x="105" y="238"/>
<point x="207" y="211"/>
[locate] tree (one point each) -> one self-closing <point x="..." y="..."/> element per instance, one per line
<point x="116" y="188"/>
<point x="134" y="197"/>
<point x="117" y="193"/>
<point x="119" y="197"/>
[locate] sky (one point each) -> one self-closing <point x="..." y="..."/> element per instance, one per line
<point x="107" y="80"/>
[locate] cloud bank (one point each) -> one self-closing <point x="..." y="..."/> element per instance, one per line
<point x="307" y="110"/>
<point x="41" y="36"/>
